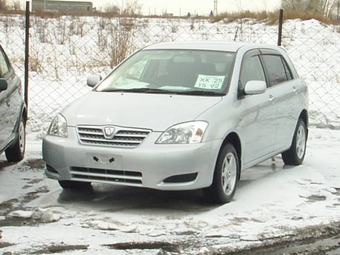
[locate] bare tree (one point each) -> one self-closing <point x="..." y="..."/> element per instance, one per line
<point x="296" y="5"/>
<point x="111" y="8"/>
<point x="132" y="7"/>
<point x="330" y="7"/>
<point x="3" y="5"/>
<point x="324" y="7"/>
<point x="16" y="6"/>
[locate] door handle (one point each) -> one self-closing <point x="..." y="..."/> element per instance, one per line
<point x="295" y="89"/>
<point x="272" y="98"/>
<point x="8" y="103"/>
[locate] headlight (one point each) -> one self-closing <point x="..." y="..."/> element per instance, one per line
<point x="190" y="132"/>
<point x="58" y="126"/>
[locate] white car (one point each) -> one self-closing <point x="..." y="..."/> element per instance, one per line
<point x="182" y="116"/>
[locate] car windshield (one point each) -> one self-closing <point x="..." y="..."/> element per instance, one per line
<point x="194" y="72"/>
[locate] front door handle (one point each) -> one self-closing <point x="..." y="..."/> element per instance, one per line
<point x="295" y="89"/>
<point x="272" y="98"/>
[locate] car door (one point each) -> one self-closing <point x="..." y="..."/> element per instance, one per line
<point x="2" y="119"/>
<point x="284" y="88"/>
<point x="9" y="101"/>
<point x="4" y="125"/>
<point x="258" y="121"/>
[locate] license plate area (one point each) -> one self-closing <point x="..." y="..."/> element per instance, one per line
<point x="96" y="160"/>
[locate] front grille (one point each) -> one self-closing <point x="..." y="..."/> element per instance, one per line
<point x="122" y="137"/>
<point x="106" y="175"/>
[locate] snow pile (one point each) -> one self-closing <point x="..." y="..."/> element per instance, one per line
<point x="273" y="203"/>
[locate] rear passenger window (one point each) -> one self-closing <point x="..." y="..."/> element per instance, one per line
<point x="277" y="69"/>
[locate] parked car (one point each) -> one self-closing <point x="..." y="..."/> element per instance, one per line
<point x="182" y="116"/>
<point x="13" y="113"/>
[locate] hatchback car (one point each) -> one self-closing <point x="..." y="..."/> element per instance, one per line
<point x="182" y="116"/>
<point x="13" y="113"/>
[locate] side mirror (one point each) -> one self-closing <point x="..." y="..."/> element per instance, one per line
<point x="93" y="80"/>
<point x="3" y="84"/>
<point x="255" y="87"/>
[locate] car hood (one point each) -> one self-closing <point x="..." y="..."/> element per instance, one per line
<point x="152" y="111"/>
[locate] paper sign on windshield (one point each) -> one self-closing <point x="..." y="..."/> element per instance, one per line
<point x="210" y="82"/>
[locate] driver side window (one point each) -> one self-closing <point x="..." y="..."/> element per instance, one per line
<point x="251" y="71"/>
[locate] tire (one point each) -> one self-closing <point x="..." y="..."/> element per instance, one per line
<point x="16" y="152"/>
<point x="226" y="176"/>
<point x="296" y="153"/>
<point x="75" y="185"/>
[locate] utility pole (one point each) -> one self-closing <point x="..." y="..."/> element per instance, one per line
<point x="215" y="7"/>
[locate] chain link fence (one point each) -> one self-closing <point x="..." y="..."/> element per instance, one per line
<point x="315" y="50"/>
<point x="64" y="50"/>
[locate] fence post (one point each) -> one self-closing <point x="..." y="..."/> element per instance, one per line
<point x="280" y="28"/>
<point x="27" y="28"/>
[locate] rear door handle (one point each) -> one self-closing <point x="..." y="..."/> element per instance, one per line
<point x="295" y="89"/>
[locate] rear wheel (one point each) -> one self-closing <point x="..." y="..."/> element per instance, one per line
<point x="296" y="153"/>
<point x="16" y="152"/>
<point x="75" y="185"/>
<point x="226" y="175"/>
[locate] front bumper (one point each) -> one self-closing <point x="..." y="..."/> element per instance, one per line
<point x="164" y="167"/>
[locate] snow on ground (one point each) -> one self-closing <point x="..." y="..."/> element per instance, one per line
<point x="273" y="203"/>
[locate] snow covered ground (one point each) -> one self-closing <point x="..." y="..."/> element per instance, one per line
<point x="273" y="204"/>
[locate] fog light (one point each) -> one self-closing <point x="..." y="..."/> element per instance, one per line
<point x="181" y="178"/>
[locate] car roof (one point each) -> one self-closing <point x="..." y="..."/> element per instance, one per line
<point x="210" y="45"/>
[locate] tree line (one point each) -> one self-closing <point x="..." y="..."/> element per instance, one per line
<point x="14" y="5"/>
<point x="327" y="8"/>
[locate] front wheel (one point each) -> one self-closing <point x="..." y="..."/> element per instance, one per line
<point x="296" y="153"/>
<point x="226" y="175"/>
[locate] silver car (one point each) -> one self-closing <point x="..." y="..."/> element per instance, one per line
<point x="13" y="112"/>
<point x="182" y="116"/>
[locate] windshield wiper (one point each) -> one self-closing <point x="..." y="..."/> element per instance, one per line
<point x="147" y="90"/>
<point x="162" y="91"/>
<point x="203" y="93"/>
<point x="138" y="90"/>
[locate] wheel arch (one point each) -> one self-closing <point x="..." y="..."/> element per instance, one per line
<point x="304" y="116"/>
<point x="234" y="139"/>
<point x="23" y="115"/>
<point x="24" y="112"/>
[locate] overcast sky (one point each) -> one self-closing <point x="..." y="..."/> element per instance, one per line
<point x="182" y="7"/>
